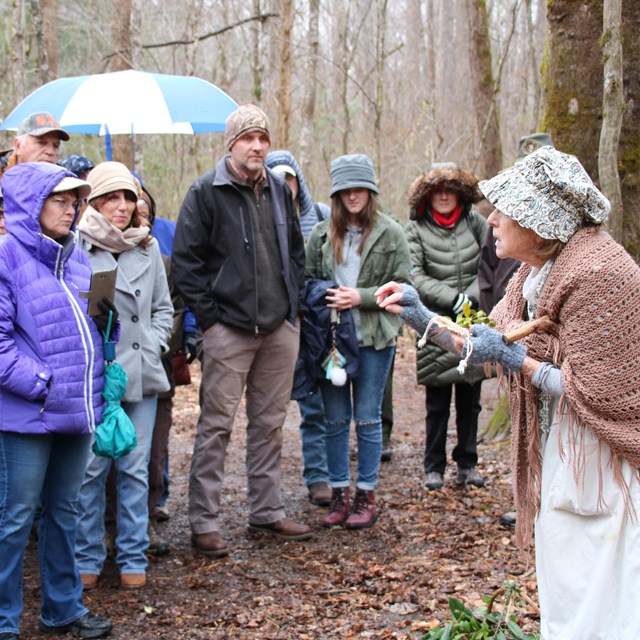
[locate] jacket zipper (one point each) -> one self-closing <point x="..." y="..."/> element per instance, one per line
<point x="247" y="248"/>
<point x="85" y="333"/>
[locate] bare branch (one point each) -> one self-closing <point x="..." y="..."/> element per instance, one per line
<point x="174" y="43"/>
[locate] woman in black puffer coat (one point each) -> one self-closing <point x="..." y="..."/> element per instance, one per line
<point x="445" y="237"/>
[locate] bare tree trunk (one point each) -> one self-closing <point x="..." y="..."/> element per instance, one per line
<point x="533" y="61"/>
<point x="310" y="79"/>
<point x="223" y="63"/>
<point x="18" y="51"/>
<point x="121" y="37"/>
<point x="44" y="19"/>
<point x="345" y="63"/>
<point x="284" y="75"/>
<point x="50" y="32"/>
<point x="612" y="108"/>
<point x="489" y="159"/>
<point x="381" y="26"/>
<point x="257" y="67"/>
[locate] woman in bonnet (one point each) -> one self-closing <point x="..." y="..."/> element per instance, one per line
<point x="574" y="396"/>
<point x="113" y="233"/>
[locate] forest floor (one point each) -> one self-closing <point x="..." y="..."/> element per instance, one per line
<point x="391" y="581"/>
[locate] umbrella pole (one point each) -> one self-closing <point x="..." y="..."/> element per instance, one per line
<point x="107" y="143"/>
<point x="133" y="150"/>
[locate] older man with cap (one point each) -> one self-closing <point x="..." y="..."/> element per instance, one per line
<point x="39" y="139"/>
<point x="238" y="260"/>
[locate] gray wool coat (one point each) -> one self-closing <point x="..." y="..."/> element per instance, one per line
<point x="146" y="316"/>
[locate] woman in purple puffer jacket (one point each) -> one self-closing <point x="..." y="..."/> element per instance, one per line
<point x="51" y="377"/>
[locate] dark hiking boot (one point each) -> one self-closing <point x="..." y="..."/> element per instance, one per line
<point x="320" y="494"/>
<point x="434" y="480"/>
<point x="469" y="476"/>
<point x="339" y="508"/>
<point x="363" y="513"/>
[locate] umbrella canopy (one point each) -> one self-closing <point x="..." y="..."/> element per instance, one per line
<point x="129" y="102"/>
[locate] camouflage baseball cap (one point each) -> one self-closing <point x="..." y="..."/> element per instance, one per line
<point x="244" y="119"/>
<point x="39" y="124"/>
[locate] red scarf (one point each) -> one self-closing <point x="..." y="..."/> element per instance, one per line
<point x="447" y="221"/>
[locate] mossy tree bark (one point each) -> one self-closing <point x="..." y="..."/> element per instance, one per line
<point x="629" y="151"/>
<point x="573" y="79"/>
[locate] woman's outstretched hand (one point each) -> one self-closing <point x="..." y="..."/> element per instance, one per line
<point x="389" y="297"/>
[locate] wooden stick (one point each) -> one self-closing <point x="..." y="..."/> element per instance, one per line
<point x="539" y="324"/>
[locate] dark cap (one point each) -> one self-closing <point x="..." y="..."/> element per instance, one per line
<point x="39" y="124"/>
<point x="77" y="164"/>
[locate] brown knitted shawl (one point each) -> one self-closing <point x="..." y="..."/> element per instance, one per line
<point x="593" y="292"/>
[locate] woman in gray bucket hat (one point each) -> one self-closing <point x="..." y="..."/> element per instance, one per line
<point x="358" y="247"/>
<point x="574" y="393"/>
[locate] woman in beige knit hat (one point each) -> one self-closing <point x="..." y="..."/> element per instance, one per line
<point x="114" y="235"/>
<point x="574" y="395"/>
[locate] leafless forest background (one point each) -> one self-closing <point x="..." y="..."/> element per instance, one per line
<point x="408" y="82"/>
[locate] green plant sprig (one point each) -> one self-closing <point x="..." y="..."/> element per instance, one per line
<point x="470" y="317"/>
<point x="483" y="624"/>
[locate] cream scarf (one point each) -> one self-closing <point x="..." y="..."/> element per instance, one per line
<point x="97" y="230"/>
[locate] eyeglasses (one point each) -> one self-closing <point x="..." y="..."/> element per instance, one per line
<point x="64" y="204"/>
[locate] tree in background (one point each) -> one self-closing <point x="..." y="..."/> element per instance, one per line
<point x="573" y="80"/>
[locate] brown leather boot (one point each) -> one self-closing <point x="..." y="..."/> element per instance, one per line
<point x="338" y="508"/>
<point x="363" y="513"/>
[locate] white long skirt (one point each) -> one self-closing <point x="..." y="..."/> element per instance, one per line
<point x="587" y="554"/>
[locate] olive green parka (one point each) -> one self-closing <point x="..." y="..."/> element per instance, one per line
<point x="385" y="257"/>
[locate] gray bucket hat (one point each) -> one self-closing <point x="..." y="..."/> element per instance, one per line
<point x="352" y="171"/>
<point x="548" y="192"/>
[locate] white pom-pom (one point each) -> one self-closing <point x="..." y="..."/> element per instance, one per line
<point x="338" y="376"/>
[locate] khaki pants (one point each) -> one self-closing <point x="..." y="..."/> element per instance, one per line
<point x="264" y="364"/>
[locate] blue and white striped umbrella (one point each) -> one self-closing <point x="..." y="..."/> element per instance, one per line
<point x="128" y="102"/>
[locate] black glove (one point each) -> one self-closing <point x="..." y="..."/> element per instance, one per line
<point x="102" y="321"/>
<point x="190" y="347"/>
<point x="459" y="302"/>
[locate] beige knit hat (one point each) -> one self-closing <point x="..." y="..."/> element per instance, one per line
<point x="111" y="176"/>
<point x="245" y="118"/>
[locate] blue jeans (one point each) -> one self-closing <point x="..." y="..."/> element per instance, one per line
<point x="132" y="490"/>
<point x="313" y="431"/>
<point x="368" y="391"/>
<point x="47" y="467"/>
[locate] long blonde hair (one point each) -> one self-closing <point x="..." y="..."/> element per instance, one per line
<point x="340" y="218"/>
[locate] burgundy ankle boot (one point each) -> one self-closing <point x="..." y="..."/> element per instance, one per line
<point x="339" y="508"/>
<point x="363" y="513"/>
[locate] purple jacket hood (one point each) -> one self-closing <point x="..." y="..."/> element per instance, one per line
<point x="51" y="360"/>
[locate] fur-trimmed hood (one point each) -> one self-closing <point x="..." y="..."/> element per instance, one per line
<point x="464" y="183"/>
